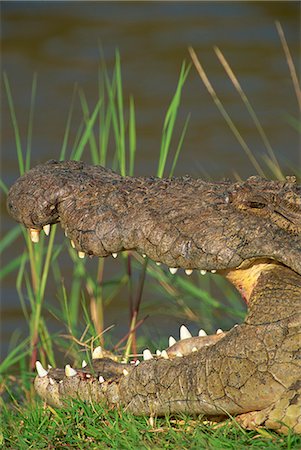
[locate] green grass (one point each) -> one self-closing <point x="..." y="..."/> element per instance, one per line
<point x="87" y="426"/>
<point x="82" y="302"/>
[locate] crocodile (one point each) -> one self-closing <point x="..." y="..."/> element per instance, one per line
<point x="248" y="232"/>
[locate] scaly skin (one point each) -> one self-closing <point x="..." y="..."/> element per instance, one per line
<point x="249" y="232"/>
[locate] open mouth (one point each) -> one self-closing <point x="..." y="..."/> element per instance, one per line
<point x="247" y="232"/>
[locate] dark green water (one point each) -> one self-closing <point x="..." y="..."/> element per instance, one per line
<point x="60" y="42"/>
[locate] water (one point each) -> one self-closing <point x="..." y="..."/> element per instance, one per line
<point x="60" y="42"/>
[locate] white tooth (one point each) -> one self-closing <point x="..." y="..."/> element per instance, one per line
<point x="84" y="364"/>
<point x="88" y="375"/>
<point x="236" y="325"/>
<point x="40" y="369"/>
<point x="203" y="272"/>
<point x="97" y="353"/>
<point x="219" y="331"/>
<point x="66" y="234"/>
<point x="188" y="271"/>
<point x="158" y="352"/>
<point x="171" y="341"/>
<point x="34" y="235"/>
<point x="147" y="354"/>
<point x="151" y="421"/>
<point x="213" y="271"/>
<point x="72" y="244"/>
<point x="125" y="372"/>
<point x="173" y="270"/>
<point x="46" y="229"/>
<point x="143" y="255"/>
<point x="184" y="333"/>
<point x="179" y="354"/>
<point x="51" y="381"/>
<point x="81" y="255"/>
<point x="137" y="362"/>
<point x="114" y="255"/>
<point x="164" y="354"/>
<point x="202" y="333"/>
<point x="101" y="379"/>
<point x="194" y="349"/>
<point x="49" y="366"/>
<point x="69" y="371"/>
<point x="158" y="263"/>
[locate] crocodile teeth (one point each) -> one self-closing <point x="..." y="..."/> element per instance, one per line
<point x="101" y="379"/>
<point x="72" y="244"/>
<point x="137" y="362"/>
<point x="179" y="355"/>
<point x="81" y="255"/>
<point x="69" y="371"/>
<point x="171" y="341"/>
<point x="97" y="353"/>
<point x="188" y="271"/>
<point x="46" y="229"/>
<point x="173" y="270"/>
<point x="213" y="271"/>
<point x="194" y="349"/>
<point x="202" y="333"/>
<point x="115" y="255"/>
<point x="51" y="381"/>
<point x="40" y="369"/>
<point x="147" y="354"/>
<point x="125" y="372"/>
<point x="158" y="352"/>
<point x="66" y="234"/>
<point x="203" y="272"/>
<point x="158" y="263"/>
<point x="164" y="354"/>
<point x="219" y="331"/>
<point x="84" y="364"/>
<point x="151" y="421"/>
<point x="143" y="255"/>
<point x="34" y="235"/>
<point x="184" y="333"/>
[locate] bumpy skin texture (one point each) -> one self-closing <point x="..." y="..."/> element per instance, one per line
<point x="249" y="232"/>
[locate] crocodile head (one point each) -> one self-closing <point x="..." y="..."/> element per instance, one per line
<point x="249" y="232"/>
<point x="182" y="222"/>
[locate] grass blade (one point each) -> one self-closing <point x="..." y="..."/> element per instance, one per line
<point x="290" y="63"/>
<point x="250" y="110"/>
<point x="92" y="140"/>
<point x="10" y="237"/>
<point x="30" y="122"/>
<point x="15" y="124"/>
<point x="224" y="113"/>
<point x="180" y="144"/>
<point x="77" y="153"/>
<point x="170" y="119"/>
<point x="68" y="125"/>
<point x="132" y="136"/>
<point x="119" y="94"/>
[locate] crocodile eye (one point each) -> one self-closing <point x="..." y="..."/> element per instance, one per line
<point x="255" y="205"/>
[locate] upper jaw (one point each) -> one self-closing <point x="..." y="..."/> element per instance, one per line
<point x="181" y="223"/>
